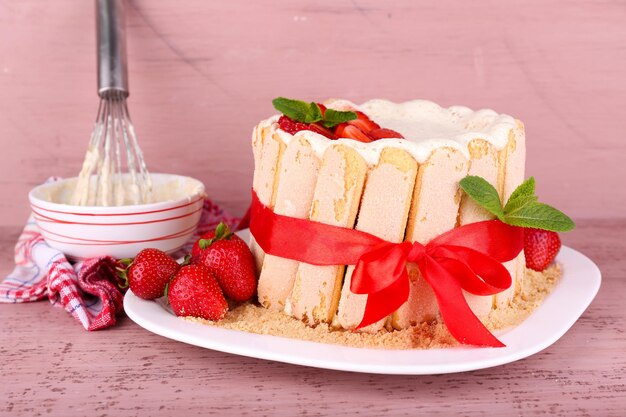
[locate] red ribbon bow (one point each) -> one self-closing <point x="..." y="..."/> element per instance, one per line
<point x="465" y="258"/>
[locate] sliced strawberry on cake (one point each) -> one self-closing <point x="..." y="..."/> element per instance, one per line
<point x="332" y="123"/>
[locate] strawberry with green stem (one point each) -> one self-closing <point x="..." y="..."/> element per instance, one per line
<point x="229" y="258"/>
<point x="541" y="221"/>
<point x="148" y="274"/>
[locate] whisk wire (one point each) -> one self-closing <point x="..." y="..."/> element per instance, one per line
<point x="114" y="171"/>
<point x="107" y="178"/>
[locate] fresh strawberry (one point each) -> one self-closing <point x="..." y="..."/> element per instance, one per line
<point x="195" y="250"/>
<point x="194" y="292"/>
<point x="364" y="123"/>
<point x="384" y="133"/>
<point x="339" y="130"/>
<point x="350" y="131"/>
<point x="290" y="125"/>
<point x="228" y="257"/>
<point x="149" y="273"/>
<point x="540" y="248"/>
<point x="322" y="108"/>
<point x="293" y="127"/>
<point x="314" y="127"/>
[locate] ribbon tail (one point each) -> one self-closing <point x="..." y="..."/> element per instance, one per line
<point x="456" y="313"/>
<point x="476" y="272"/>
<point x="379" y="304"/>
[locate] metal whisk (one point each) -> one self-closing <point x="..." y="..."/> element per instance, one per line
<point x="114" y="172"/>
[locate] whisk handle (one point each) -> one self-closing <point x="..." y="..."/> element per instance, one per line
<point x="111" y="40"/>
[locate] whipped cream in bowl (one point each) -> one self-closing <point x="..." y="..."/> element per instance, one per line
<point x="167" y="222"/>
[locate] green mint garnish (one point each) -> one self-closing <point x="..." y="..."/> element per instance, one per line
<point x="540" y="216"/>
<point x="522" y="209"/>
<point x="334" y="117"/>
<point x="297" y="110"/>
<point x="304" y="112"/>
<point x="483" y="193"/>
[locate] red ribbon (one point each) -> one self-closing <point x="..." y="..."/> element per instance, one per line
<point x="465" y="258"/>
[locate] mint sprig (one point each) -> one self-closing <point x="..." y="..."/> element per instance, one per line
<point x="522" y="209"/>
<point x="304" y="112"/>
<point x="334" y="117"/>
<point x="484" y="194"/>
<point x="298" y="110"/>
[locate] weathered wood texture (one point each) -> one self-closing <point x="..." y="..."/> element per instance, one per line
<point x="202" y="73"/>
<point x="50" y="366"/>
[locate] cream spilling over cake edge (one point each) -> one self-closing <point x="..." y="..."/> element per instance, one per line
<point x="458" y="126"/>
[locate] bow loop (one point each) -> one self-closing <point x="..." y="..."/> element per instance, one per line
<point x="380" y="267"/>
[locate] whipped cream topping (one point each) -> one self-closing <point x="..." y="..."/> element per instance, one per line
<point x="425" y="126"/>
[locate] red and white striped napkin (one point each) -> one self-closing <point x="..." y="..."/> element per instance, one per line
<point x="88" y="289"/>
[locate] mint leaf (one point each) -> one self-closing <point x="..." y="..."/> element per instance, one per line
<point x="512" y="206"/>
<point x="522" y="192"/>
<point x="297" y="110"/>
<point x="334" y="117"/>
<point x="521" y="210"/>
<point x="483" y="193"/>
<point x="315" y="113"/>
<point x="539" y="216"/>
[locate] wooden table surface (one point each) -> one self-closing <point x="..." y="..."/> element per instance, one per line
<point x="50" y="366"/>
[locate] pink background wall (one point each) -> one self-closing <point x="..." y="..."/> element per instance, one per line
<point x="202" y="73"/>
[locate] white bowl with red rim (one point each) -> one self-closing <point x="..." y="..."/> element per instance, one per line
<point x="83" y="232"/>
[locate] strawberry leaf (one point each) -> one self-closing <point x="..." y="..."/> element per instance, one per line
<point x="167" y="287"/>
<point x="126" y="261"/>
<point x="539" y="216"/>
<point x="298" y="110"/>
<point x="220" y="230"/>
<point x="483" y="193"/>
<point x="122" y="274"/>
<point x="334" y="117"/>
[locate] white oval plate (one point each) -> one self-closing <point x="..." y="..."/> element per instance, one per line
<point x="569" y="299"/>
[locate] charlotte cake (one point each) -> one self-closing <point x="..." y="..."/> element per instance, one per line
<point x="396" y="176"/>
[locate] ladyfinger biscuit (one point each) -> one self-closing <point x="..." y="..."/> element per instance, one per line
<point x="269" y="149"/>
<point x="316" y="289"/>
<point x="514" y="156"/>
<point x="384" y="211"/>
<point x="294" y="194"/>
<point x="434" y="210"/>
<point x="483" y="163"/>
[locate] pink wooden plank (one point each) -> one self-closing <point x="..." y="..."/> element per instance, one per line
<point x="203" y="73"/>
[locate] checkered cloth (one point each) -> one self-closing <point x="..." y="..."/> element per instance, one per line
<point x="88" y="290"/>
